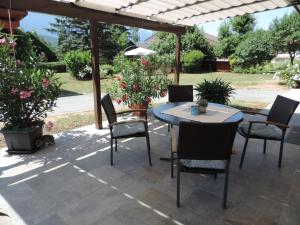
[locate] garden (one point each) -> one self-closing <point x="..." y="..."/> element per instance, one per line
<point x="36" y="73"/>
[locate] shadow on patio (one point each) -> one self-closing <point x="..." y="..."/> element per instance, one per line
<point x="73" y="183"/>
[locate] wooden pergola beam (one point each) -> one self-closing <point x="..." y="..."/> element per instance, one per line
<point x="96" y="73"/>
<point x="71" y="10"/>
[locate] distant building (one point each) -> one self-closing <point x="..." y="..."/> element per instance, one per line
<point x="153" y="38"/>
<point x="15" y="17"/>
<point x="284" y="57"/>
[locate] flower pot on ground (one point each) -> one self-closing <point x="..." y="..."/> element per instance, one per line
<point x="139" y="83"/>
<point x="27" y="92"/>
<point x="138" y="107"/>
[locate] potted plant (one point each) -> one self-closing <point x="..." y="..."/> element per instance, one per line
<point x="139" y="82"/>
<point x="217" y="91"/>
<point x="27" y="92"/>
<point x="202" y="104"/>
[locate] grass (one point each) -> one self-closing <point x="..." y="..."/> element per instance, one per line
<point x="238" y="81"/>
<point x="71" y="86"/>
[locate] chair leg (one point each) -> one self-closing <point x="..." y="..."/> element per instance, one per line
<point x="148" y="148"/>
<point x="226" y="186"/>
<point x="172" y="164"/>
<point x="111" y="152"/>
<point x="280" y="153"/>
<point x="116" y="145"/>
<point x="244" y="152"/>
<point x="265" y="145"/>
<point x="168" y="127"/>
<point x="178" y="184"/>
<point x="215" y="176"/>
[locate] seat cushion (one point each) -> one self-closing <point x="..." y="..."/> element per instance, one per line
<point x="205" y="164"/>
<point x="262" y="130"/>
<point x="127" y="129"/>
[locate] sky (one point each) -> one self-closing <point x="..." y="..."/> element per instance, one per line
<point x="38" y="22"/>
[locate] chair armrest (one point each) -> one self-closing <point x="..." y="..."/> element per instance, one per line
<point x="281" y="125"/>
<point x="127" y="121"/>
<point x="254" y="113"/>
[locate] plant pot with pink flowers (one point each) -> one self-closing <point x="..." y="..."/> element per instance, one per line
<point x="139" y="83"/>
<point x="27" y="92"/>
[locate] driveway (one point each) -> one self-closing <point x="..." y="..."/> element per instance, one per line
<point x="80" y="103"/>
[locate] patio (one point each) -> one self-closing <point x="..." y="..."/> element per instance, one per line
<point x="73" y="183"/>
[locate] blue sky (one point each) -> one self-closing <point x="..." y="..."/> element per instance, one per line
<point x="38" y="22"/>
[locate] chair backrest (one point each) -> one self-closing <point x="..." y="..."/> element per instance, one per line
<point x="282" y="110"/>
<point x="109" y="108"/>
<point x="206" y="141"/>
<point x="180" y="93"/>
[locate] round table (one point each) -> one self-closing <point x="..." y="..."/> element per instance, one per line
<point x="174" y="120"/>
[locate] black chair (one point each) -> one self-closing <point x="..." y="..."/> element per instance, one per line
<point x="273" y="128"/>
<point x="205" y="148"/>
<point x="180" y="93"/>
<point x="126" y="128"/>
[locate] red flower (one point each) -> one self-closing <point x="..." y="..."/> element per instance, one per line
<point x="148" y="100"/>
<point x="2" y="41"/>
<point x="25" y="94"/>
<point x="135" y="87"/>
<point x="118" y="100"/>
<point x="145" y="62"/>
<point x="125" y="97"/>
<point x="122" y="85"/>
<point x="163" y="94"/>
<point x="14" y="90"/>
<point x="45" y="82"/>
<point x="118" y="77"/>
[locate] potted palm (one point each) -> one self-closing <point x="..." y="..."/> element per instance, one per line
<point x="27" y="92"/>
<point x="139" y="82"/>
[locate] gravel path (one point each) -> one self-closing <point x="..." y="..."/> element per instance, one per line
<point x="81" y="103"/>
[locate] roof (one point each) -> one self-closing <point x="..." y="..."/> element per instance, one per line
<point x="183" y="12"/>
<point x="153" y="38"/>
<point x="160" y="15"/>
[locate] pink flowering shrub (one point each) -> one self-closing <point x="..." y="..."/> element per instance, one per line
<point x="27" y="92"/>
<point x="139" y="82"/>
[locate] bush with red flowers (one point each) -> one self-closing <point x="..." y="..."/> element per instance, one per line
<point x="139" y="82"/>
<point x="27" y="92"/>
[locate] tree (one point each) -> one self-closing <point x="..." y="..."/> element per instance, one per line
<point x="243" y="24"/>
<point x="231" y="33"/>
<point x="193" y="39"/>
<point x="286" y="34"/>
<point x="74" y="34"/>
<point x="254" y="50"/>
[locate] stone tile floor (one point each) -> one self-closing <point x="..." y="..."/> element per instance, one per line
<point x="72" y="183"/>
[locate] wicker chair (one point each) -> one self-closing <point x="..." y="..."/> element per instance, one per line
<point x="199" y="152"/>
<point x="273" y="128"/>
<point x="124" y="129"/>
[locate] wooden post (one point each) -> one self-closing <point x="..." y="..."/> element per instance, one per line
<point x="177" y="58"/>
<point x="96" y="73"/>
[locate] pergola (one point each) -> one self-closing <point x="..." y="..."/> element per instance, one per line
<point x="159" y="15"/>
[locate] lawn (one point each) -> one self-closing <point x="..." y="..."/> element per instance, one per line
<point x="238" y="81"/>
<point x="71" y="86"/>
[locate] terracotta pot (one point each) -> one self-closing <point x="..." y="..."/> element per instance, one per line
<point x="138" y="106"/>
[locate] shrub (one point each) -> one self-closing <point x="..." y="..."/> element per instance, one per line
<point x="106" y="70"/>
<point x="290" y="74"/>
<point x="139" y="82"/>
<point x="192" y="61"/>
<point x="57" y="67"/>
<point x="77" y="62"/>
<point x="255" y="50"/>
<point x="27" y="92"/>
<point x="217" y="91"/>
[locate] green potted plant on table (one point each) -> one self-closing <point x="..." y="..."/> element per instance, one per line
<point x="139" y="82"/>
<point x="217" y="91"/>
<point x="202" y="104"/>
<point x="27" y="92"/>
